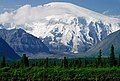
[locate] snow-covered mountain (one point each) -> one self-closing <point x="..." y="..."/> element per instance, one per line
<point x="63" y="27"/>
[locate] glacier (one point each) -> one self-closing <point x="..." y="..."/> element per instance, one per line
<point x="63" y="27"/>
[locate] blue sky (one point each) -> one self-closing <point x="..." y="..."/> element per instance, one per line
<point x="110" y="7"/>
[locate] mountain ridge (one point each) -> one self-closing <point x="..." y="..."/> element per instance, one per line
<point x="23" y="42"/>
<point x="105" y="45"/>
<point x="63" y="27"/>
<point x="7" y="51"/>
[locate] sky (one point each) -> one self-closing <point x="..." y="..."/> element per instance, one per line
<point x="108" y="7"/>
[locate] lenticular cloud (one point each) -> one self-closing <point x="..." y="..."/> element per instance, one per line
<point x="28" y="14"/>
<point x="24" y="14"/>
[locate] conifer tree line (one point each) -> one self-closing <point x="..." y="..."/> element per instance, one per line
<point x="66" y="62"/>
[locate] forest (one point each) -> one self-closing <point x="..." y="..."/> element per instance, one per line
<point x="66" y="69"/>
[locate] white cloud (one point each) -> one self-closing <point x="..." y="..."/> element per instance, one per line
<point x="28" y="14"/>
<point x="24" y="14"/>
<point x="6" y="17"/>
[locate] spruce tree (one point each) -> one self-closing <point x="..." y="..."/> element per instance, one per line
<point x="65" y="62"/>
<point x="119" y="61"/>
<point x="25" y="61"/>
<point x="80" y="62"/>
<point x="71" y="63"/>
<point x="112" y="57"/>
<point x="46" y="62"/>
<point x="85" y="63"/>
<point x="3" y="63"/>
<point x="76" y="62"/>
<point x="99" y="60"/>
<point x="54" y="62"/>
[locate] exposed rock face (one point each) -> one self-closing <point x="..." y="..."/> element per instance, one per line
<point x="105" y="45"/>
<point x="23" y="42"/>
<point x="7" y="51"/>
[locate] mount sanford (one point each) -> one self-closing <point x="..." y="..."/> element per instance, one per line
<point x="63" y="27"/>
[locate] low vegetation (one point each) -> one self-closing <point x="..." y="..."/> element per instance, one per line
<point x="74" y="69"/>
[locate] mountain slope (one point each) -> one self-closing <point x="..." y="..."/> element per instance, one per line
<point x="23" y="42"/>
<point x="106" y="44"/>
<point x="7" y="51"/>
<point x="63" y="27"/>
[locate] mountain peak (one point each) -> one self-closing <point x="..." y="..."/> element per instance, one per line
<point x="70" y="8"/>
<point x="63" y="26"/>
<point x="58" y="4"/>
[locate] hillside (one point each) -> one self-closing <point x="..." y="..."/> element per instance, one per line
<point x="7" y="51"/>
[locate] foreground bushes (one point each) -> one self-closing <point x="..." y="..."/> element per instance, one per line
<point x="59" y="74"/>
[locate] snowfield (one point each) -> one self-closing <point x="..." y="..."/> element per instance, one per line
<point x="63" y="27"/>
